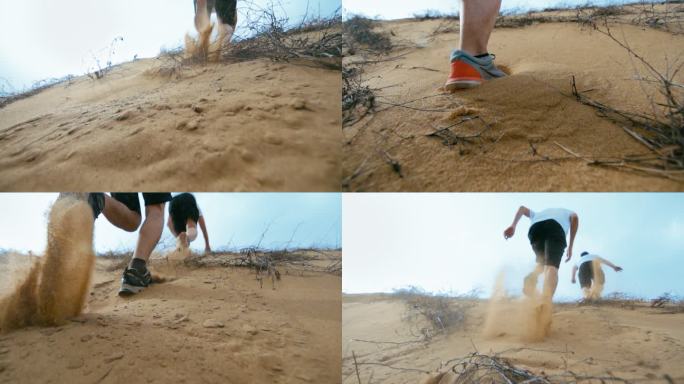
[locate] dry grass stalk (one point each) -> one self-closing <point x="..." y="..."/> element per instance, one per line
<point x="359" y="35"/>
<point x="444" y="313"/>
<point x="661" y="130"/>
<point x="318" y="40"/>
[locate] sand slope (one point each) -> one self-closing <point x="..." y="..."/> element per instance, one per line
<point x="527" y="113"/>
<point x="247" y="126"/>
<point x="169" y="332"/>
<point x="640" y="343"/>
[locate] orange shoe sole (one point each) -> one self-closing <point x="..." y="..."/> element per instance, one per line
<point x="463" y="76"/>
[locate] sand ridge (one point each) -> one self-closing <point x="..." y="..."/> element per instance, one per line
<point x="521" y="118"/>
<point x="203" y="324"/>
<point x="256" y="125"/>
<point x="629" y="342"/>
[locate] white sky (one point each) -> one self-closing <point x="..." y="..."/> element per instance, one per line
<point x="235" y="218"/>
<point x="40" y="39"/>
<point x="398" y="9"/>
<point x="454" y="242"/>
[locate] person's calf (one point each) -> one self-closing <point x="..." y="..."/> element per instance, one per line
<point x="202" y="19"/>
<point x="150" y="232"/>
<point x="550" y="281"/>
<point x="530" y="282"/>
<point x="596" y="291"/>
<point x="225" y="33"/>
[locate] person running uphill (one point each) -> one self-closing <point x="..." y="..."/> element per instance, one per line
<point x="547" y="235"/>
<point x="591" y="275"/>
<point x="184" y="216"/>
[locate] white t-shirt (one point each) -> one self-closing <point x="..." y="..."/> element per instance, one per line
<point x="585" y="259"/>
<point x="560" y="215"/>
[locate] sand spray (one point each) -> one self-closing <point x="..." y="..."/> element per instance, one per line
<point x="527" y="318"/>
<point x="202" y="48"/>
<point x="57" y="285"/>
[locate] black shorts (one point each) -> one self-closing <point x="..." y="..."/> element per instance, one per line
<point x="182" y="208"/>
<point x="548" y="242"/>
<point x="589" y="271"/>
<point x="226" y="10"/>
<point x="130" y="199"/>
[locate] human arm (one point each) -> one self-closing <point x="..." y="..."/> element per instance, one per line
<point x="510" y="231"/>
<point x="608" y="263"/>
<point x="574" y="273"/>
<point x="574" y="224"/>
<point x="203" y="227"/>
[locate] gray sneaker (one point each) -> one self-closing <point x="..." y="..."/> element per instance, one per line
<point x="468" y="71"/>
<point x="134" y="281"/>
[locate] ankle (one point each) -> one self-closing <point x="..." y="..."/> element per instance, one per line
<point x="139" y="265"/>
<point x="476" y="50"/>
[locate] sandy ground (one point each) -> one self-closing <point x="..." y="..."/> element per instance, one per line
<point x="632" y="343"/>
<point x="250" y="126"/>
<point x="205" y="325"/>
<point x="527" y="113"/>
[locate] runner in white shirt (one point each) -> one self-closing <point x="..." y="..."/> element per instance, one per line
<point x="591" y="275"/>
<point x="548" y="232"/>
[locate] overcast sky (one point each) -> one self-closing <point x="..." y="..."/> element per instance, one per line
<point x="40" y="39"/>
<point x="237" y="219"/>
<point x="399" y="9"/>
<point x="454" y="242"/>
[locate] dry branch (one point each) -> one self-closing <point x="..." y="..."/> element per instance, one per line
<point x="318" y="40"/>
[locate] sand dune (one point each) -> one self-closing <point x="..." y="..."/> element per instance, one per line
<point x="256" y="125"/>
<point x="203" y="325"/>
<point x="523" y="117"/>
<point x="630" y="342"/>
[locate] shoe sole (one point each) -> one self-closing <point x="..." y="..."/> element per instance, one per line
<point x="462" y="84"/>
<point x="129" y="290"/>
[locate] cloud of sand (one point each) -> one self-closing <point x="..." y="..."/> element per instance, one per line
<point x="203" y="49"/>
<point x="57" y="285"/>
<point x="526" y="318"/>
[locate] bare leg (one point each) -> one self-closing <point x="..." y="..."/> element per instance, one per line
<point x="201" y="16"/>
<point x="120" y="215"/>
<point x="477" y="22"/>
<point x="550" y="281"/>
<point x="191" y="230"/>
<point x="225" y="32"/>
<point x="150" y="232"/>
<point x="169" y="224"/>
<point x="530" y="282"/>
<point x="599" y="280"/>
<point x="182" y="241"/>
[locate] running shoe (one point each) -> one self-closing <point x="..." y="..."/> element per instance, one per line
<point x="468" y="71"/>
<point x="133" y="281"/>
